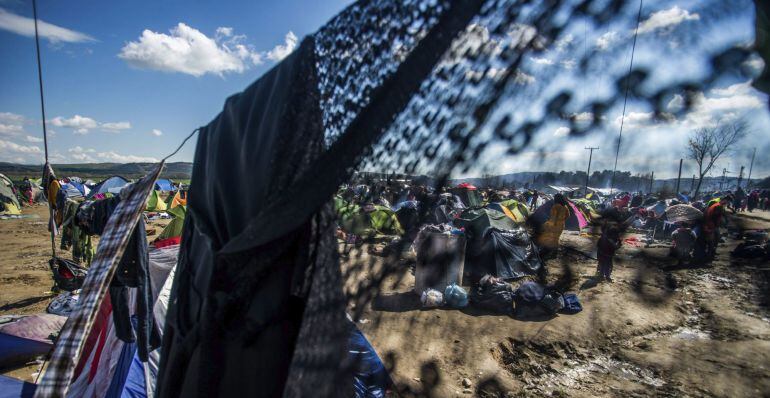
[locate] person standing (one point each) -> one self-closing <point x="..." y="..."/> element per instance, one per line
<point x="606" y="247"/>
<point x="550" y="232"/>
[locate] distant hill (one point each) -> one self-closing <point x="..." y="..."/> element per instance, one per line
<point x="177" y="170"/>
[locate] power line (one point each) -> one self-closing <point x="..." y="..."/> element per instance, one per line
<point x="625" y="100"/>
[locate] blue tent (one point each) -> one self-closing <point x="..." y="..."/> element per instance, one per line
<point x="163" y="184"/>
<point x="80" y="187"/>
<point x="112" y="184"/>
<point x="72" y="191"/>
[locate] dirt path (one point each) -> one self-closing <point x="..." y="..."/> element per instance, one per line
<point x="706" y="334"/>
<point x="689" y="332"/>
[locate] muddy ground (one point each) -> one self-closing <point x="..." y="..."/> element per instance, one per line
<point x="655" y="331"/>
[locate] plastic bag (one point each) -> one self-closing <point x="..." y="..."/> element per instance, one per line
<point x="432" y="298"/>
<point x="455" y="296"/>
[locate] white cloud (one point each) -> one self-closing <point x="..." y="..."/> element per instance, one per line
<point x="732" y="90"/>
<point x="606" y="40"/>
<point x="280" y="51"/>
<point x="34" y="139"/>
<point x="187" y="50"/>
<point x="666" y="19"/>
<point x="11" y="117"/>
<point x="523" y="78"/>
<point x="564" y="43"/>
<point x="156" y="132"/>
<point x="541" y="61"/>
<point x="10" y="129"/>
<point x="81" y="154"/>
<point x="568" y="63"/>
<point x="676" y="103"/>
<point x="8" y="147"/>
<point x="561" y="132"/>
<point x="82" y="124"/>
<point x="26" y="27"/>
<point x="75" y="122"/>
<point x="115" y="127"/>
<point x="112" y="156"/>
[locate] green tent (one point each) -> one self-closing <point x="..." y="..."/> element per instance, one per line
<point x="519" y="210"/>
<point x="9" y="203"/>
<point x="355" y="220"/>
<point x="174" y="228"/>
<point x="476" y="221"/>
<point x="155" y="203"/>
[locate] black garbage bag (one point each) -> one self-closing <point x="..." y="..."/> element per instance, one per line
<point x="67" y="274"/>
<point x="506" y="254"/>
<point x="494" y="295"/>
<point x="535" y="300"/>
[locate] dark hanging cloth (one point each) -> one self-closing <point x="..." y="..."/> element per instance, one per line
<point x="132" y="272"/>
<point x="234" y="321"/>
<point x="257" y="306"/>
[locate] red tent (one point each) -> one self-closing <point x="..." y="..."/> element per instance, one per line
<point x="467" y="186"/>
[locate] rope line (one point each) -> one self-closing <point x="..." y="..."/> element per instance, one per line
<point x="625" y="100"/>
<point x="51" y="224"/>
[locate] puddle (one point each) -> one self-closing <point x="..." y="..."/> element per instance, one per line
<point x="602" y="365"/>
<point x="562" y="365"/>
<point x="686" y="333"/>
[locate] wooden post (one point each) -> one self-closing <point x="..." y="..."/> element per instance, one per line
<point x="679" y="176"/>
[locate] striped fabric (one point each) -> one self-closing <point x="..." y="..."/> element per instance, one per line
<point x="112" y="244"/>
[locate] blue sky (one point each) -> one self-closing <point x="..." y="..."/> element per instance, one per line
<point x="126" y="81"/>
<point x="121" y="101"/>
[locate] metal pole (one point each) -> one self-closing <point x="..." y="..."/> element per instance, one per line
<point x="740" y="178"/>
<point x="722" y="183"/>
<point x="679" y="176"/>
<point x="588" y="172"/>
<point x="751" y="167"/>
<point x="652" y="178"/>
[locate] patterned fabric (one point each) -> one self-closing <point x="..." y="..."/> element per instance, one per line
<point x="56" y="381"/>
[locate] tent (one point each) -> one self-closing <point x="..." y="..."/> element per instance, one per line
<point x="369" y="220"/>
<point x="575" y="221"/>
<point x="658" y="209"/>
<point x="468" y="194"/>
<point x="163" y="184"/>
<point x="111" y="185"/>
<point x="71" y="191"/>
<point x="106" y="363"/>
<point x="476" y="221"/>
<point x="178" y="199"/>
<point x="155" y="203"/>
<point x="512" y="208"/>
<point x="9" y="203"/>
<point x="174" y="228"/>
<point x="506" y="254"/>
<point x="683" y="213"/>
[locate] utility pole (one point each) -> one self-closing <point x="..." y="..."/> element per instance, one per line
<point x="721" y="183"/>
<point x="588" y="173"/>
<point x="740" y="178"/>
<point x="652" y="178"/>
<point x="751" y="167"/>
<point x="692" y="184"/>
<point x="679" y="177"/>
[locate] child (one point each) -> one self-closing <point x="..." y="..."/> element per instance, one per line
<point x="608" y="244"/>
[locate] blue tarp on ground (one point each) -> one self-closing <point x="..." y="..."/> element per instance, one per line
<point x="14" y="349"/>
<point x="134" y="386"/>
<point x="163" y="184"/>
<point x="13" y="388"/>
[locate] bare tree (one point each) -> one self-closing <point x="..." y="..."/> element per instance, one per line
<point x="708" y="144"/>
